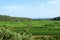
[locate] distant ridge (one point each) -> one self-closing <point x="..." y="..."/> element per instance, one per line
<point x="9" y="18"/>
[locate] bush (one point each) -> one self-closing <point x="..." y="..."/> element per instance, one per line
<point x="6" y="34"/>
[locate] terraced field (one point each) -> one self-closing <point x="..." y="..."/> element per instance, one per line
<point x="34" y="27"/>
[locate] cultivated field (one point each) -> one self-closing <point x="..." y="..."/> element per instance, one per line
<point x="38" y="30"/>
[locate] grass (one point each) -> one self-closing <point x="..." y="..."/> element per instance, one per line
<point x="35" y="27"/>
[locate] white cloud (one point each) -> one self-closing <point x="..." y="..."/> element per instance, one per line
<point x="54" y="2"/>
<point x="20" y="10"/>
<point x="29" y="11"/>
<point x="13" y="8"/>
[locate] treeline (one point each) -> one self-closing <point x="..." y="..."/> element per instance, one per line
<point x="15" y="19"/>
<point x="56" y="18"/>
<point x="22" y="19"/>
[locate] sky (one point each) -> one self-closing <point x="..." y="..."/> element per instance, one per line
<point x="30" y="8"/>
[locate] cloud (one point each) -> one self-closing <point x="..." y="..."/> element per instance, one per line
<point x="21" y="10"/>
<point x="51" y="3"/>
<point x="13" y="8"/>
<point x="54" y="3"/>
<point x="45" y="9"/>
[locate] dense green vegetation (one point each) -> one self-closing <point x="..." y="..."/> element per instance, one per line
<point x="31" y="29"/>
<point x="6" y="34"/>
<point x="13" y="19"/>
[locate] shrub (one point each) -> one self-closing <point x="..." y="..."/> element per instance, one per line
<point x="6" y="34"/>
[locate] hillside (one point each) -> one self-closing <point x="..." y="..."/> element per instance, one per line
<point x="56" y="18"/>
<point x="15" y="19"/>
